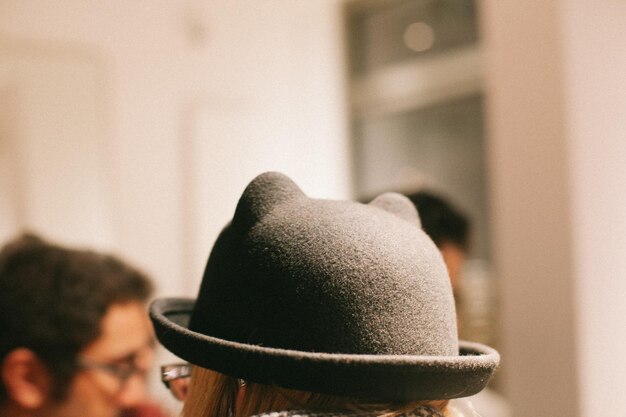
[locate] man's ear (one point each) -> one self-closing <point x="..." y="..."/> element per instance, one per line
<point x="25" y="378"/>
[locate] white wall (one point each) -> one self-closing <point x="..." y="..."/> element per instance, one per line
<point x="595" y="63"/>
<point x="51" y="145"/>
<point x="530" y="206"/>
<point x="192" y="95"/>
<point x="557" y="111"/>
<point x="164" y="66"/>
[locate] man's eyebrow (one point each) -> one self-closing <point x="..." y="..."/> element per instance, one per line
<point x="129" y="358"/>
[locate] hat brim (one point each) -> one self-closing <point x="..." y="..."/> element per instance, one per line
<point x="392" y="378"/>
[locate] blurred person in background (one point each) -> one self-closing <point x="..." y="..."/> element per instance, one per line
<point x="449" y="228"/>
<point x="75" y="339"/>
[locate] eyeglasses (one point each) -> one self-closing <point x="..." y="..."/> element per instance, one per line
<point x="122" y="371"/>
<point x="176" y="379"/>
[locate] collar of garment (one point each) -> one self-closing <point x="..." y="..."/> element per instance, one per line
<point x="421" y="411"/>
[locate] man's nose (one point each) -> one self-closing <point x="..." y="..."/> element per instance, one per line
<point x="134" y="392"/>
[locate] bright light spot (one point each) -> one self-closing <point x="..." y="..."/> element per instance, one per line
<point x="419" y="36"/>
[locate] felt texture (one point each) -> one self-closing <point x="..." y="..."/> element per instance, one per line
<point x="329" y="296"/>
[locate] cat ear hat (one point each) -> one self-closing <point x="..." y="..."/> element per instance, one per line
<point x="326" y="296"/>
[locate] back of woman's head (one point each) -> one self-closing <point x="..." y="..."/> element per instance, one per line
<point x="217" y="395"/>
<point x="321" y="304"/>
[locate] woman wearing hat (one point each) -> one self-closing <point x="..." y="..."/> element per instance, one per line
<point x="320" y="307"/>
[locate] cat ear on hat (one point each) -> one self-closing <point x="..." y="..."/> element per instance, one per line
<point x="399" y="205"/>
<point x="262" y="195"/>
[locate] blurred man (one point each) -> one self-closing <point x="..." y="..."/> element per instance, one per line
<point x="447" y="227"/>
<point x="74" y="335"/>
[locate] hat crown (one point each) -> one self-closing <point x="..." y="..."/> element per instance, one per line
<point x="329" y="276"/>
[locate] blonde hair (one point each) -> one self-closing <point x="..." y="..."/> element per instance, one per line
<point x="212" y="394"/>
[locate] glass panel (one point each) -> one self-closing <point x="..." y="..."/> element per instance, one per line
<point x="440" y="146"/>
<point x="393" y="31"/>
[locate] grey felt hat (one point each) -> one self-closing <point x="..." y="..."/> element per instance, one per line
<point x="335" y="297"/>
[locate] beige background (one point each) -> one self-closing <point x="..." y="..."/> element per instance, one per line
<point x="134" y="152"/>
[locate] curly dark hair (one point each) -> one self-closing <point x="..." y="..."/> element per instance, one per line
<point x="53" y="298"/>
<point x="440" y="219"/>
